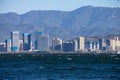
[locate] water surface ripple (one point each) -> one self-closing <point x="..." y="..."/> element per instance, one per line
<point x="59" y="67"/>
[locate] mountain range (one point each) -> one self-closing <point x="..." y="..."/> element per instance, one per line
<point x="84" y="21"/>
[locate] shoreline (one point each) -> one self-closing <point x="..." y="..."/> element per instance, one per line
<point x="60" y="52"/>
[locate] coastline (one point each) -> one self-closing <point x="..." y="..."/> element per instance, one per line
<point x="61" y="52"/>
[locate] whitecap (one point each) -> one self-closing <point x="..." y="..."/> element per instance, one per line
<point x="69" y="58"/>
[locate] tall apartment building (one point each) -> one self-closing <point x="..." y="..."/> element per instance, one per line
<point x="15" y="37"/>
<point x="42" y="42"/>
<point x="94" y="45"/>
<point x="8" y="45"/>
<point x="37" y="34"/>
<point x="2" y="47"/>
<point x="115" y="43"/>
<point x="69" y="46"/>
<point x="80" y="43"/>
<point x="21" y="45"/>
<point x="102" y="44"/>
<point x="57" y="44"/>
<point x="27" y="41"/>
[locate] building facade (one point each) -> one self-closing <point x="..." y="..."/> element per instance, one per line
<point x="69" y="46"/>
<point x="56" y="44"/>
<point x="15" y="37"/>
<point x="21" y="45"/>
<point x="37" y="34"/>
<point x="8" y="45"/>
<point x="2" y="47"/>
<point x="26" y="41"/>
<point x="102" y="44"/>
<point x="80" y="43"/>
<point x="114" y="43"/>
<point x="42" y="42"/>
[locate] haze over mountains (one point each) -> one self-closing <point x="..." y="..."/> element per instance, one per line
<point x="84" y="21"/>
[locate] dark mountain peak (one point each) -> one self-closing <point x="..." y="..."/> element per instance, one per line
<point x="45" y="11"/>
<point x="10" y="14"/>
<point x="83" y="8"/>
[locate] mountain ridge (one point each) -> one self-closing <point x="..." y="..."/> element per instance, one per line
<point x="84" y="21"/>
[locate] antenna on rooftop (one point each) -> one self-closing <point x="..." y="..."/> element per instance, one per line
<point x="115" y="11"/>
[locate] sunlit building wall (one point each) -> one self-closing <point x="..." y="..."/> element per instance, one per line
<point x="115" y="43"/>
<point x="57" y="44"/>
<point x="80" y="43"/>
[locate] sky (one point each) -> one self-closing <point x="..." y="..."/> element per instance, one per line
<point x="23" y="6"/>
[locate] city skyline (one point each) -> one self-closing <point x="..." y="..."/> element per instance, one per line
<point x="24" y="6"/>
<point x="76" y="44"/>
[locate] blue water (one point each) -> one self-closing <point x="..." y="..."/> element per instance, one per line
<point x="59" y="67"/>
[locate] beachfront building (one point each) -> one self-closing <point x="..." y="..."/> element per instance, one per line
<point x="42" y="41"/>
<point x="57" y="44"/>
<point x="27" y="41"/>
<point x="80" y="43"/>
<point x="15" y="37"/>
<point x="2" y="47"/>
<point x="92" y="45"/>
<point x="21" y="45"/>
<point x="8" y="45"/>
<point x="102" y="44"/>
<point x="69" y="46"/>
<point x="37" y="34"/>
<point x="114" y="44"/>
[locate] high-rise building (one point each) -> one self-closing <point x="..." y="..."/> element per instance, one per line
<point x="75" y="43"/>
<point x="102" y="44"/>
<point x="87" y="45"/>
<point x="42" y="42"/>
<point x="8" y="45"/>
<point x="26" y="41"/>
<point x="80" y="43"/>
<point x="69" y="46"/>
<point x="21" y="45"/>
<point x="15" y="37"/>
<point x="92" y="45"/>
<point x="2" y="47"/>
<point x="57" y="44"/>
<point x="115" y="43"/>
<point x="37" y="34"/>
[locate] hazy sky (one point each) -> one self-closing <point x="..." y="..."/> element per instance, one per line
<point x="22" y="6"/>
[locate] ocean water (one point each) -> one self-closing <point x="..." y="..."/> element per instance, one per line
<point x="59" y="66"/>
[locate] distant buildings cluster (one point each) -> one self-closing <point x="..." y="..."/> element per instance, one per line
<point x="72" y="45"/>
<point x="111" y="43"/>
<point x="41" y="43"/>
<point x="15" y="44"/>
<point x="108" y="43"/>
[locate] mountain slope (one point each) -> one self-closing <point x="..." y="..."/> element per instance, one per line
<point x="84" y="21"/>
